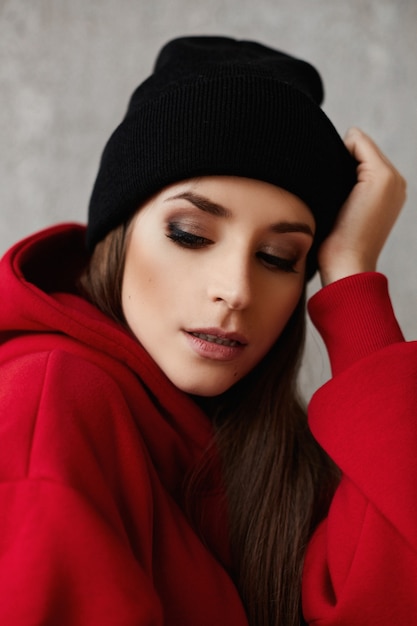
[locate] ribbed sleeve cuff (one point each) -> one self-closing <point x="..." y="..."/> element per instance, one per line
<point x="355" y="317"/>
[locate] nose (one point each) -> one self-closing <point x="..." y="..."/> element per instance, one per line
<point x="231" y="282"/>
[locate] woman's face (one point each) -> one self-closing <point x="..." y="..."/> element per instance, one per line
<point x="214" y="269"/>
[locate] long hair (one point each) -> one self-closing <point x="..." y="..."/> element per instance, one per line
<point x="278" y="481"/>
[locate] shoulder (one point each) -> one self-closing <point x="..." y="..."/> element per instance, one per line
<point x="58" y="363"/>
<point x="55" y="367"/>
<point x="60" y="409"/>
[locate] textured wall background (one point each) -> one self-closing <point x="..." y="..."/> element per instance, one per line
<point x="68" y="67"/>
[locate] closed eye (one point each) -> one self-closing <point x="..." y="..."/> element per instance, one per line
<point x="277" y="263"/>
<point x="185" y="238"/>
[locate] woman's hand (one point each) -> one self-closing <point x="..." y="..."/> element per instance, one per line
<point x="367" y="216"/>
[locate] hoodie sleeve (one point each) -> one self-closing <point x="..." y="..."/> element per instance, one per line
<point x="65" y="556"/>
<point x="361" y="564"/>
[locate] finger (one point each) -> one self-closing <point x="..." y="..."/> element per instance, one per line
<point x="363" y="148"/>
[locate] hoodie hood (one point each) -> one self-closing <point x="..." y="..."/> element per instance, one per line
<point x="31" y="272"/>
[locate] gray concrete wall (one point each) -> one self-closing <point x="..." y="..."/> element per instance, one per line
<point x="67" y="68"/>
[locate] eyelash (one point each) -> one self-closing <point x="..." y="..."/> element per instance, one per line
<point x="278" y="263"/>
<point x="186" y="239"/>
<point x="191" y="241"/>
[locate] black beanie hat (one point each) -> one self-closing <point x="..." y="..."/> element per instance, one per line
<point x="217" y="106"/>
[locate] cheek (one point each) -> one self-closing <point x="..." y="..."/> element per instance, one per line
<point x="152" y="286"/>
<point x="279" y="310"/>
<point x="138" y="286"/>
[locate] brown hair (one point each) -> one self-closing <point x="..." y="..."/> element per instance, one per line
<point x="277" y="479"/>
<point x="101" y="280"/>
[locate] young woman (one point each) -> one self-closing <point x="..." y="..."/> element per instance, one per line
<point x="156" y="463"/>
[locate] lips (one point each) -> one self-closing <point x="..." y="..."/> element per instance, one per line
<point x="214" y="339"/>
<point x="219" y="337"/>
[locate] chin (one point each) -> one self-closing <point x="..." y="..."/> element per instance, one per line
<point x="204" y="388"/>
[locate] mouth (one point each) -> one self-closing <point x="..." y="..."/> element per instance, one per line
<point x="222" y="341"/>
<point x="221" y="337"/>
<point x="216" y="344"/>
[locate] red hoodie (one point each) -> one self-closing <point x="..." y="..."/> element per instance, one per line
<point x="95" y="443"/>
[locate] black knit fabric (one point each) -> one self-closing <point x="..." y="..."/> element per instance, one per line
<point x="218" y="106"/>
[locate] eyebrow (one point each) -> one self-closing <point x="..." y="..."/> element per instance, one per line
<point x="202" y="203"/>
<point x="206" y="205"/>
<point x="292" y="227"/>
